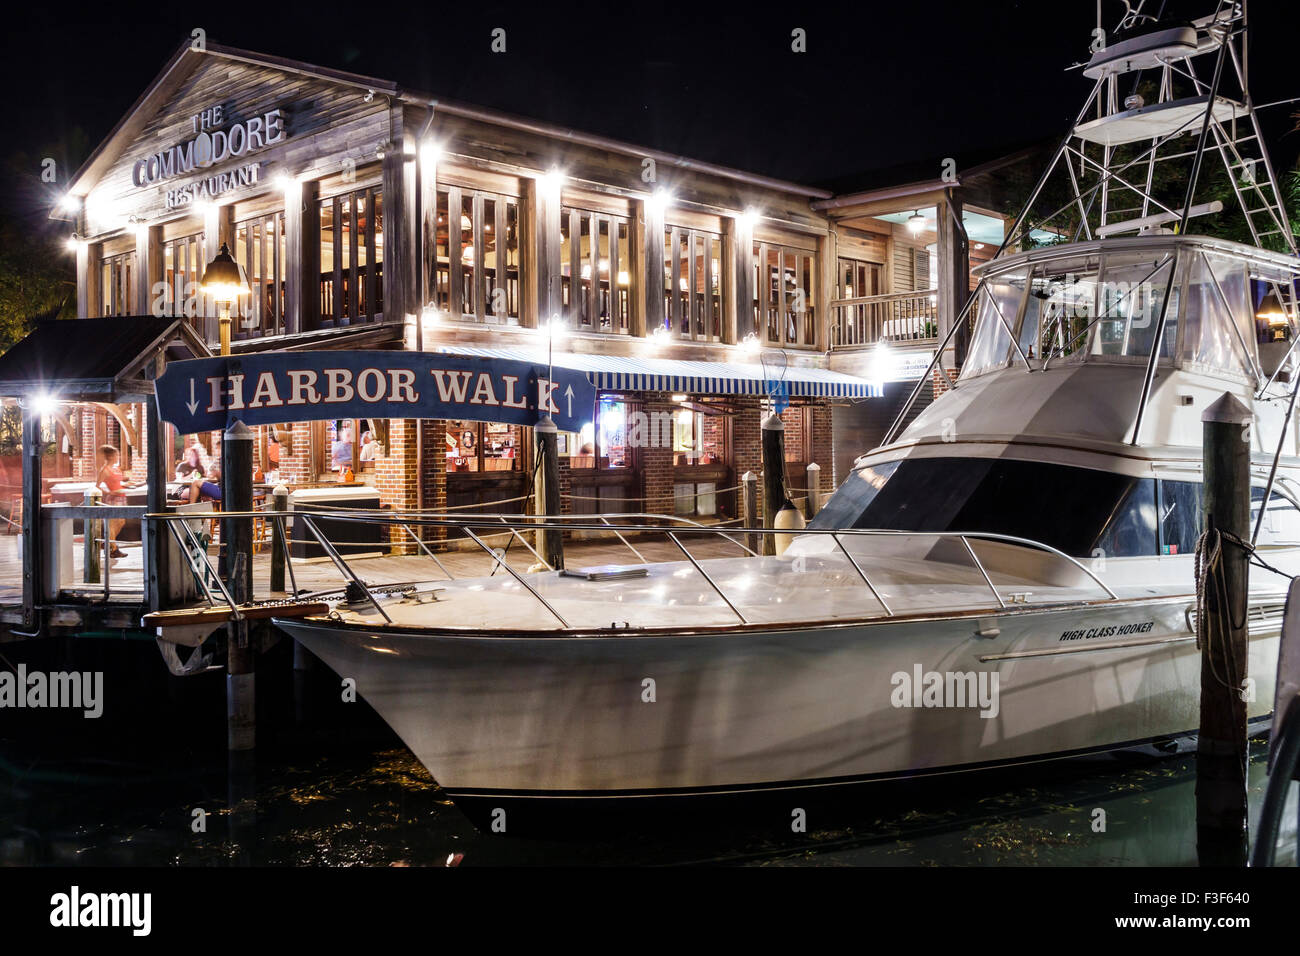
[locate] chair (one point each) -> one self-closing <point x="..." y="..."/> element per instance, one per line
<point x="259" y="524"/>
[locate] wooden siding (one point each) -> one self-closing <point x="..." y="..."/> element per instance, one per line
<point x="324" y="125"/>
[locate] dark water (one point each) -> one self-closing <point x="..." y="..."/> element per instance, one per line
<point x="334" y="787"/>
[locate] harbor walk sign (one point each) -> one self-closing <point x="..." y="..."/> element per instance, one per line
<point x="275" y="387"/>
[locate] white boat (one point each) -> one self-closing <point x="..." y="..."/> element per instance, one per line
<point x="1007" y="579"/>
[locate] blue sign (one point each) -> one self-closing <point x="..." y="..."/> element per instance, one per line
<point x="269" y="388"/>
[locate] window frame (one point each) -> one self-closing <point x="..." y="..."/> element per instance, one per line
<point x="336" y="279"/>
<point x="449" y="295"/>
<point x="683" y="315"/>
<point x="252" y="306"/>
<point x="620" y="318"/>
<point x="765" y="308"/>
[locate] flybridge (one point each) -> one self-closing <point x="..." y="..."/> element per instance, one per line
<point x="204" y="394"/>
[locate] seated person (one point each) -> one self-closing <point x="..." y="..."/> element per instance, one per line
<point x="189" y="467"/>
<point x="111" y="481"/>
<point x="209" y="487"/>
<point x="369" y="450"/>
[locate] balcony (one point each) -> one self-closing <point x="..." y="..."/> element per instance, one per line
<point x="905" y="318"/>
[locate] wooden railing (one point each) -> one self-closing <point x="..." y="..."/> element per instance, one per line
<point x="897" y="317"/>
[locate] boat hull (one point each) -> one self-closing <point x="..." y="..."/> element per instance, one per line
<point x="630" y="714"/>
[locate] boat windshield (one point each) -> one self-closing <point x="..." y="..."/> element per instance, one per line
<point x="1105" y="308"/>
<point x="1080" y="511"/>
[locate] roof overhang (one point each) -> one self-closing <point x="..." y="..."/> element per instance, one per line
<point x="114" y="359"/>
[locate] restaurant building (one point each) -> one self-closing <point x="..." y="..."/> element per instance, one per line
<point x="370" y="216"/>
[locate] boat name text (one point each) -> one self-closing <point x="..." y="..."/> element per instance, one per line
<point x="1109" y="630"/>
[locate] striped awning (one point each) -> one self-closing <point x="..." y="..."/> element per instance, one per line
<point x="627" y="374"/>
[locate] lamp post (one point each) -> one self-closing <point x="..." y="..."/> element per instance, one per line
<point x="225" y="281"/>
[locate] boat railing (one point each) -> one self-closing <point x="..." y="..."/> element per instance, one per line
<point x="428" y="532"/>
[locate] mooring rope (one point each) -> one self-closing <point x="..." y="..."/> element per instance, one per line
<point x="1211" y="626"/>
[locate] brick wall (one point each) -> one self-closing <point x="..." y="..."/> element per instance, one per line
<point x="396" y="476"/>
<point x="657" y="462"/>
<point x="794" y="420"/>
<point x="940" y="383"/>
<point x="434" y="467"/>
<point x="747" y="437"/>
<point x="295" y="455"/>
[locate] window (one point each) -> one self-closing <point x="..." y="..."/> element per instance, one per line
<point x="693" y="284"/>
<point x="353" y="443"/>
<point x="183" y="265"/>
<point x="1061" y="304"/>
<point x="698" y="438"/>
<point x="1219" y="326"/>
<point x="695" y="499"/>
<point x="1132" y="531"/>
<point x="595" y="248"/>
<point x="784" y="306"/>
<point x="260" y="249"/>
<point x="483" y="446"/>
<point x="1132" y="294"/>
<point x="1180" y="516"/>
<point x="476" y="254"/>
<point x="351" y="257"/>
<point x="858" y="279"/>
<point x="996" y="311"/>
<point x="1000" y="496"/>
<point x="1281" y="520"/>
<point x="115" y="276"/>
<point x="604" y="444"/>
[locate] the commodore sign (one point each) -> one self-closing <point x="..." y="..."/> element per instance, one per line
<point x="211" y="145"/>
<point x="275" y="387"/>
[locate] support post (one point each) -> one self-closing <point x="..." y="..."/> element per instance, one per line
<point x="279" y="503"/>
<point x="749" y="508"/>
<point x="32" y="451"/>
<point x="1221" y="812"/>
<point x="773" y="475"/>
<point x="237" y="538"/>
<point x="814" y="490"/>
<point x="157" y="542"/>
<point x="548" y="496"/>
<point x="90" y="537"/>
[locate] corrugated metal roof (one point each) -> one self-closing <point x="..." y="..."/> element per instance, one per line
<point x="621" y="373"/>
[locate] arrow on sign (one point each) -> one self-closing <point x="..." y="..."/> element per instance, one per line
<point x="193" y="403"/>
<point x="568" y="393"/>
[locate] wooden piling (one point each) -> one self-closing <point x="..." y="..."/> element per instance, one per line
<point x="552" y="542"/>
<point x="32" y="451"/>
<point x="749" y="508"/>
<point x="279" y="547"/>
<point x="237" y="539"/>
<point x="156" y="540"/>
<point x="1221" y="755"/>
<point x="814" y="490"/>
<point x="773" y="475"/>
<point x="90" y="537"/>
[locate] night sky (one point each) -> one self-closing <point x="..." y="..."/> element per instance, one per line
<point x="881" y="84"/>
